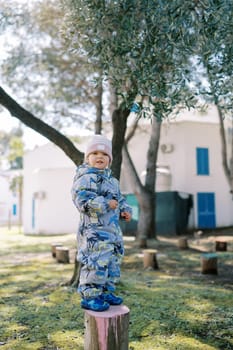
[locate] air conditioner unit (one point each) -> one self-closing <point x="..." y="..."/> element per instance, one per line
<point x="39" y="195"/>
<point x="167" y="147"/>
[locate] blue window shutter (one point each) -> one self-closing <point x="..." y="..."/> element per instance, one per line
<point x="202" y="155"/>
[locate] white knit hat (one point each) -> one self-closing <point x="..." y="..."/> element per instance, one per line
<point x="99" y="143"/>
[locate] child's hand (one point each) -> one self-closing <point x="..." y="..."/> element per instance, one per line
<point x="113" y="204"/>
<point x="126" y="216"/>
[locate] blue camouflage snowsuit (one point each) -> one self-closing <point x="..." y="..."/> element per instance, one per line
<point x="100" y="241"/>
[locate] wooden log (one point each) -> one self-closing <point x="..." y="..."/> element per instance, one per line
<point x="183" y="243"/>
<point x="62" y="255"/>
<point x="107" y="330"/>
<point x="150" y="259"/>
<point x="220" y="245"/>
<point x="53" y="248"/>
<point x="209" y="263"/>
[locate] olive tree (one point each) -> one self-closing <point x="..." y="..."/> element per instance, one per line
<point x="142" y="49"/>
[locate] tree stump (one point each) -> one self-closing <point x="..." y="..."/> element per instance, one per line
<point x="62" y="255"/>
<point x="53" y="248"/>
<point x="183" y="243"/>
<point x="107" y="330"/>
<point x="209" y="263"/>
<point x="220" y="245"/>
<point x="150" y="259"/>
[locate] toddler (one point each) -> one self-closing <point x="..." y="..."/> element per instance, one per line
<point x="97" y="196"/>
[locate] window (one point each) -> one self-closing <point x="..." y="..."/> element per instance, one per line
<point x="202" y="156"/>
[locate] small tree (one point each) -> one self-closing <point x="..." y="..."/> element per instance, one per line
<point x="15" y="155"/>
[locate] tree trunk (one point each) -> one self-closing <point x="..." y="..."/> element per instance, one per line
<point x="99" y="109"/>
<point x="74" y="281"/>
<point x="145" y="200"/>
<point x="119" y="124"/>
<point x="147" y="197"/>
<point x="227" y="167"/>
<point x="146" y="220"/>
<point x="228" y="170"/>
<point x="146" y="194"/>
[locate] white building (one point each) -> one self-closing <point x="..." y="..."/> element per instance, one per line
<point x="48" y="175"/>
<point x="189" y="162"/>
<point x="9" y="201"/>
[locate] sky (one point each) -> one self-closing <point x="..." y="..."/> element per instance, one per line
<point x="7" y="122"/>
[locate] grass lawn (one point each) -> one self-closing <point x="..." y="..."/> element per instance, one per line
<point x="174" y="307"/>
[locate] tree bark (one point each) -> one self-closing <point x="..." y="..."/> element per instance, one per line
<point x="227" y="170"/>
<point x="150" y="259"/>
<point x="41" y="127"/>
<point x="119" y="123"/>
<point x="146" y="220"/>
<point x="54" y="247"/>
<point x="99" y="109"/>
<point x="146" y="194"/>
<point x="183" y="243"/>
<point x="209" y="263"/>
<point x="144" y="200"/>
<point x="62" y="255"/>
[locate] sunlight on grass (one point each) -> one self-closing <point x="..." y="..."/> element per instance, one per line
<point x="172" y="308"/>
<point x="68" y="340"/>
<point x="20" y="344"/>
<point x="173" y="342"/>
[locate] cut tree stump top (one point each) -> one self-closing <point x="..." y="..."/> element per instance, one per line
<point x="113" y="311"/>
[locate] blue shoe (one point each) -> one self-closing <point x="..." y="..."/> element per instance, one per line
<point x="112" y="299"/>
<point x="95" y="304"/>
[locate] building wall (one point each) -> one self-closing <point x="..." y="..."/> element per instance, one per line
<point x="183" y="166"/>
<point x="54" y="210"/>
<point x="48" y="176"/>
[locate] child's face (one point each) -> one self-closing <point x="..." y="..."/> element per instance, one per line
<point x="98" y="159"/>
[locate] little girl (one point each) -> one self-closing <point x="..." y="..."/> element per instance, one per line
<point x="97" y="196"/>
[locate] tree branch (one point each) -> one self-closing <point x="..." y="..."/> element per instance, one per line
<point x="41" y="127"/>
